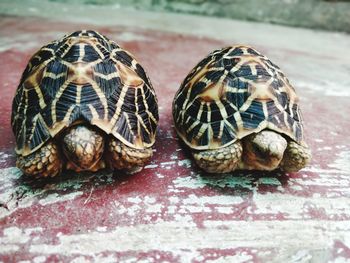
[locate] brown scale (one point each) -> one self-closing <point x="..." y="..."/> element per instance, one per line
<point x="122" y="157"/>
<point x="43" y="163"/>
<point x="223" y="160"/>
<point x="80" y="73"/>
<point x="128" y="76"/>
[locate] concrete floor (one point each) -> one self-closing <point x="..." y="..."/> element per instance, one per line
<point x="172" y="212"/>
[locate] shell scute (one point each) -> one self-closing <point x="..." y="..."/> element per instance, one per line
<point x="232" y="93"/>
<point x="84" y="77"/>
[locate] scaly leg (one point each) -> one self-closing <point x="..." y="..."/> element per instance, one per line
<point x="295" y="157"/>
<point x="42" y="163"/>
<point x="221" y="160"/>
<point x="123" y="157"/>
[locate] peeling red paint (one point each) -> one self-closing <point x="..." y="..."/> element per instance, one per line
<point x="171" y="189"/>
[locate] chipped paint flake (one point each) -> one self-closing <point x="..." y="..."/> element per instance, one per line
<point x="295" y="207"/>
<point x="241" y="257"/>
<point x="55" y="198"/>
<point x="216" y="200"/>
<point x="13" y="237"/>
<point x="340" y="260"/>
<point x="224" y="210"/>
<point x="39" y="259"/>
<point x="135" y="200"/>
<point x="17" y="195"/>
<point x="8" y="248"/>
<point x="173" y="236"/>
<point x="342" y="163"/>
<point x="196" y="181"/>
<point x="301" y="256"/>
<point x="157" y="208"/>
<point x="269" y="181"/>
<point x="185" y="163"/>
<point x="151" y="166"/>
<point x="3" y="157"/>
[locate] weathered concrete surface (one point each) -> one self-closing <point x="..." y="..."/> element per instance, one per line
<point x="171" y="211"/>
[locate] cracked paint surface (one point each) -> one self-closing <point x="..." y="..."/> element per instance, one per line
<point x="171" y="211"/>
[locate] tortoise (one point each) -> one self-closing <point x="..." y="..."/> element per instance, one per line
<point x="237" y="110"/>
<point x="83" y="103"/>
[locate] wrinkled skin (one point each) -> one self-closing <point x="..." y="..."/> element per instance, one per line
<point x="83" y="148"/>
<point x="266" y="150"/>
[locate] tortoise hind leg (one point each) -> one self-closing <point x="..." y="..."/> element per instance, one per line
<point x="44" y="162"/>
<point x="295" y="157"/>
<point x="221" y="160"/>
<point x="123" y="157"/>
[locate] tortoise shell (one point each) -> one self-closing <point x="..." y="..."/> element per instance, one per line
<point x="233" y="92"/>
<point x="84" y="77"/>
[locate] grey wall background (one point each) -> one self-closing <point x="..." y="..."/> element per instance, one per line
<point x="321" y="14"/>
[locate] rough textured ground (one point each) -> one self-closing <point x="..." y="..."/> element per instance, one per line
<point x="172" y="212"/>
